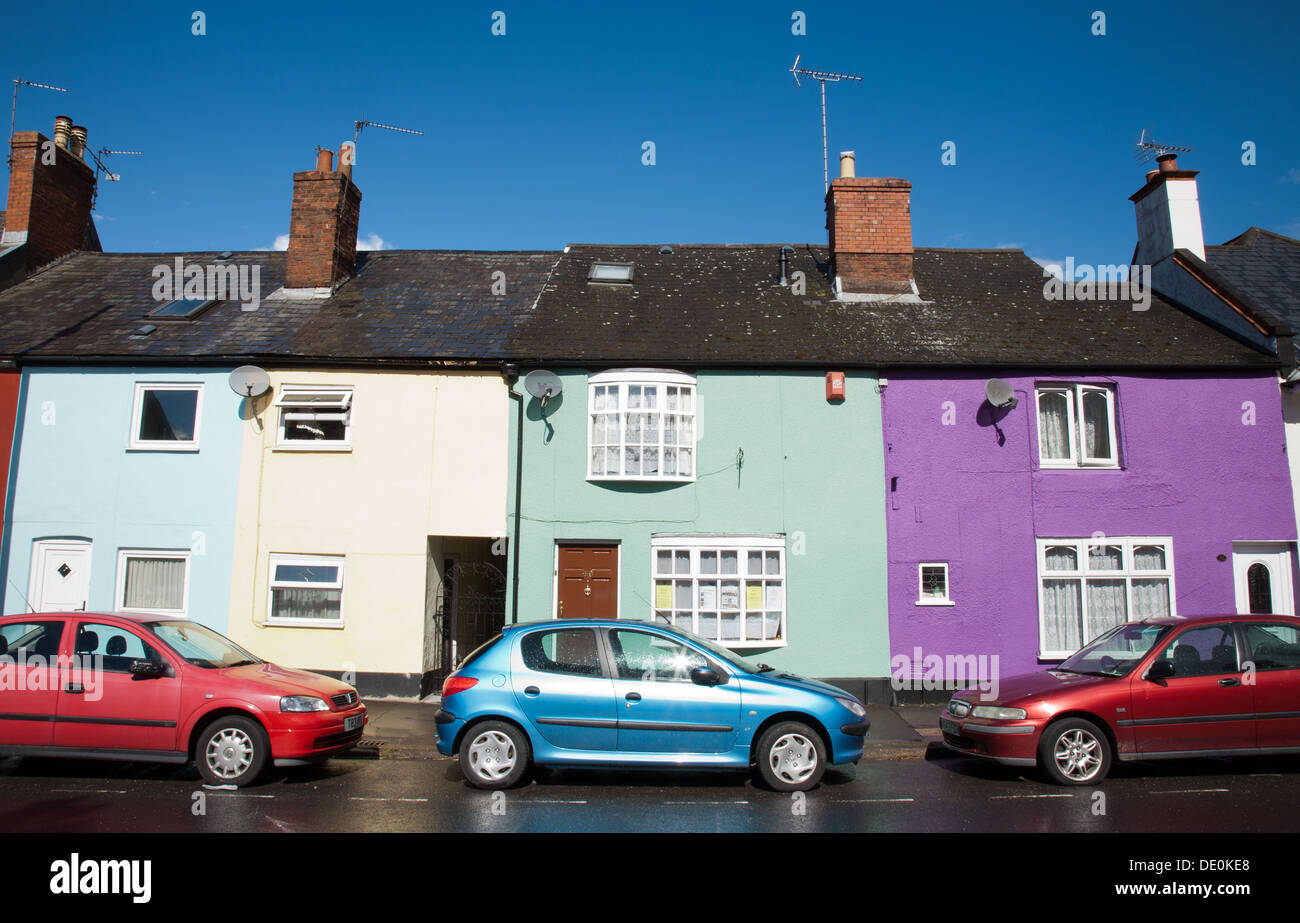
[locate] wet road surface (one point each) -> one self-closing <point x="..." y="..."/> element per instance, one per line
<point x="371" y="796"/>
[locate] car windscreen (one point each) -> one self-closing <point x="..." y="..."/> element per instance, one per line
<point x="200" y="645"/>
<point x="1116" y="652"/>
<point x="740" y="663"/>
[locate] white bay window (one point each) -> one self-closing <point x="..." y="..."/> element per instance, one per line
<point x="641" y="426"/>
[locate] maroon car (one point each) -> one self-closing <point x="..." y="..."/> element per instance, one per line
<point x="1226" y="685"/>
<point x="161" y="689"/>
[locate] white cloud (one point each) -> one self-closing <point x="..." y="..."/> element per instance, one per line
<point x="373" y="241"/>
<point x="1055" y="267"/>
<point x="102" y="217"/>
<point x="281" y="242"/>
<point x="1292" y="176"/>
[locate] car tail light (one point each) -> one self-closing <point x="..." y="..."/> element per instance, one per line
<point x="455" y="684"/>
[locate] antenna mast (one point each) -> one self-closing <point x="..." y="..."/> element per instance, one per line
<point x="822" y="77"/>
<point x="1149" y="148"/>
<point x="362" y="123"/>
<point x="13" y="109"/>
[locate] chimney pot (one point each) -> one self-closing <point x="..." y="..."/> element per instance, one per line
<point x="1168" y="162"/>
<point x="77" y="142"/>
<point x="847" y="159"/>
<point x="347" y="157"/>
<point x="62" y="130"/>
<point x="324" y="160"/>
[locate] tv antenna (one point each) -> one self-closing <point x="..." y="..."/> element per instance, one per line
<point x="101" y="167"/>
<point x="13" y="109"/>
<point x="822" y="77"/>
<point x="1147" y="148"/>
<point x="362" y="123"/>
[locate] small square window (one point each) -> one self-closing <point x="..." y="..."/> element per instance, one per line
<point x="933" y="585"/>
<point x="166" y="417"/>
<point x="315" y="417"/>
<point x="153" y="581"/>
<point x="306" y="590"/>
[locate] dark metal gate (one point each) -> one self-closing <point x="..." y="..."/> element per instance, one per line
<point x="469" y="609"/>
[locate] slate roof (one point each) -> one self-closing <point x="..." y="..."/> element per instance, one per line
<point x="402" y="306"/>
<point x="1266" y="267"/>
<point x="723" y="304"/>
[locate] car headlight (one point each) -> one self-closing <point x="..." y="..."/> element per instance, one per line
<point x="302" y="703"/>
<point x="998" y="713"/>
<point x="853" y="706"/>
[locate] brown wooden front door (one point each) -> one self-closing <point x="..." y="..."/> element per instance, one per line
<point x="588" y="582"/>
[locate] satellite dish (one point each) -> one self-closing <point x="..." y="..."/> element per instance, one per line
<point x="543" y="385"/>
<point x="249" y="381"/>
<point x="1000" y="394"/>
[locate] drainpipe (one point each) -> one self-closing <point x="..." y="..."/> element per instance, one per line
<point x="510" y="372"/>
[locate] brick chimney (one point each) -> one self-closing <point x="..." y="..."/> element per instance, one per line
<point x="322" y="227"/>
<point x="1168" y="213"/>
<point x="870" y="225"/>
<point x="51" y="193"/>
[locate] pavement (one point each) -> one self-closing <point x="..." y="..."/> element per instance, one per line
<point x="400" y="730"/>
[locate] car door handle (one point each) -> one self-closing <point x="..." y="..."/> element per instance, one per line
<point x="532" y="690"/>
<point x="76" y="688"/>
<point x="1230" y="681"/>
<point x="633" y="697"/>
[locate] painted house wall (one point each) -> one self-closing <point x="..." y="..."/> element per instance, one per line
<point x="812" y="471"/>
<point x="1192" y="468"/>
<point x="1291" y="416"/>
<point x="75" y="477"/>
<point x="428" y="458"/>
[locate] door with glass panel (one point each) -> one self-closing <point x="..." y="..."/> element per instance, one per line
<point x="1262" y="578"/>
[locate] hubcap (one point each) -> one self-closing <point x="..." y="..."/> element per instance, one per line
<point x="1078" y="755"/>
<point x="229" y="753"/>
<point x="492" y="755"/>
<point x="793" y="758"/>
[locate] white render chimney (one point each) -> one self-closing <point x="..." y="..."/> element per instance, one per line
<point x="1168" y="213"/>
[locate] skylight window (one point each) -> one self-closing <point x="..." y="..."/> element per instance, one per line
<point x="610" y="272"/>
<point x="182" y="308"/>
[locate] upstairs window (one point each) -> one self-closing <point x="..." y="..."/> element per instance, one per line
<point x="166" y="417"/>
<point x="1076" y="427"/>
<point x="315" y="417"/>
<point x="641" y="426"/>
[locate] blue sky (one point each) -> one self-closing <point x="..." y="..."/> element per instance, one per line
<point x="534" y="139"/>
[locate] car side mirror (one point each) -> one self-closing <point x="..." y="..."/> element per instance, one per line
<point x="148" y="669"/>
<point x="1161" y="669"/>
<point x="707" y="676"/>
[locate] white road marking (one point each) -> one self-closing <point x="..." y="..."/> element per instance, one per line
<point x="871" y="800"/>
<point x="1014" y="797"/>
<point x="240" y="795"/>
<point x="92" y="791"/>
<point x="706" y="802"/>
<point x="1188" y="791"/>
<point x="551" y="801"/>
<point x="406" y="800"/>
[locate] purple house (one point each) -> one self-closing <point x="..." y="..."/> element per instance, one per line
<point x="1061" y="459"/>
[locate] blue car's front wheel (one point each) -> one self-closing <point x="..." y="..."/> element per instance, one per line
<point x="791" y="757"/>
<point x="494" y="755"/>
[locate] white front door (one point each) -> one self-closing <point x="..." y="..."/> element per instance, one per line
<point x="60" y="576"/>
<point x="1261" y="572"/>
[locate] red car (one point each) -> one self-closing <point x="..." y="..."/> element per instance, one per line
<point x="1225" y="685"/>
<point x="161" y="689"/>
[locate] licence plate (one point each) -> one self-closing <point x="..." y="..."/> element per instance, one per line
<point x="351" y="724"/>
<point x="950" y="727"/>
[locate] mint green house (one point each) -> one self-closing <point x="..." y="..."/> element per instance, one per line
<point x="739" y="499"/>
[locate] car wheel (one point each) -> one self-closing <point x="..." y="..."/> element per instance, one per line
<point x="494" y="755"/>
<point x="791" y="757"/>
<point x="232" y="751"/>
<point x="1074" y="752"/>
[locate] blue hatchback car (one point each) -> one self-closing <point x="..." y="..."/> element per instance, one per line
<point x="607" y="693"/>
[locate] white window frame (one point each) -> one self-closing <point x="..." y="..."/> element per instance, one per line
<point x="323" y="560"/>
<point x="621" y="379"/>
<point x="125" y="554"/>
<point x="1127" y="573"/>
<point x="338" y="410"/>
<point x="742" y="545"/>
<point x="137" y="412"/>
<point x="1074" y="415"/>
<point x="921" y="598"/>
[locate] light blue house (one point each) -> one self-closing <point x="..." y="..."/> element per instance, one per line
<point x="124" y="491"/>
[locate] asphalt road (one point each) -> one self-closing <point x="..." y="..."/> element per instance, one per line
<point x="948" y="795"/>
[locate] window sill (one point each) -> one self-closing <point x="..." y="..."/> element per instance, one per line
<point x="300" y="623"/>
<point x="1042" y="466"/>
<point x="641" y="479"/>
<point x="935" y="602"/>
<point x="311" y="448"/>
<point x="162" y="447"/>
